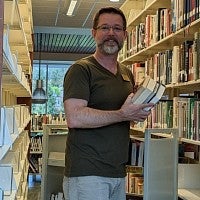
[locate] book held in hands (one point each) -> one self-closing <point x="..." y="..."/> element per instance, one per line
<point x="150" y="91"/>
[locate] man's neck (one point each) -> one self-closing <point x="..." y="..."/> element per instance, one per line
<point x="109" y="62"/>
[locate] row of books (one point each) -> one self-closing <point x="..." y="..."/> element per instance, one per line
<point x="137" y="153"/>
<point x="184" y="12"/>
<point x="181" y="112"/>
<point x="37" y="120"/>
<point x="146" y="33"/>
<point x="134" y="180"/>
<point x="59" y="196"/>
<point x="186" y="112"/>
<point x="161" y="115"/>
<point x="35" y="164"/>
<point x="36" y="145"/>
<point x="181" y="64"/>
<point x="160" y="25"/>
<point x="186" y="61"/>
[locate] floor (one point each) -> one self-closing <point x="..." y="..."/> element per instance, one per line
<point x="34" y="187"/>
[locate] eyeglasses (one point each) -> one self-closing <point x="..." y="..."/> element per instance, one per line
<point x="106" y="28"/>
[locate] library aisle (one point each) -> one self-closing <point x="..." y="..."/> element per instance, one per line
<point x="34" y="187"/>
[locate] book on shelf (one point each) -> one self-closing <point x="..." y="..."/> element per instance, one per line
<point x="150" y="91"/>
<point x="186" y="116"/>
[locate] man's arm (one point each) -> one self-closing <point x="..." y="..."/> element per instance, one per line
<point x="80" y="116"/>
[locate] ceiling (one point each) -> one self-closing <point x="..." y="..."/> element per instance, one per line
<point x="61" y="37"/>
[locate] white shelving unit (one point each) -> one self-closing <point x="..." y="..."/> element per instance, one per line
<point x="160" y="165"/>
<point x="16" y="47"/>
<point x="53" y="159"/>
<point x="16" y="67"/>
<point x="14" y="169"/>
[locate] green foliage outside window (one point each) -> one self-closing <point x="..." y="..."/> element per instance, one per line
<point x="52" y="76"/>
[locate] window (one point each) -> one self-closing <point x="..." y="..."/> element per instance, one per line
<point x="52" y="74"/>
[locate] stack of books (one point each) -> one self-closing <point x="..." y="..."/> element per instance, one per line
<point x="150" y="91"/>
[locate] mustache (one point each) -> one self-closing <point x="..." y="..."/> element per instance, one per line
<point x="111" y="38"/>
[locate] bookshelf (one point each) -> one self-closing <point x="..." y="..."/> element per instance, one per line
<point x="53" y="159"/>
<point x="158" y="146"/>
<point x="36" y="138"/>
<point x="172" y="58"/>
<point x="15" y="76"/>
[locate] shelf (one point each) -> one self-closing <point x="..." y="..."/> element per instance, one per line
<point x="8" y="135"/>
<point x="53" y="159"/>
<point x="167" y="43"/>
<point x="160" y="165"/>
<point x="150" y="8"/>
<point x="128" y="5"/>
<point x="12" y="17"/>
<point x="189" y="194"/>
<point x="16" y="161"/>
<point x="56" y="159"/>
<point x="18" y="23"/>
<point x="16" y="65"/>
<point x="11" y="81"/>
<point x="185" y="87"/>
<point x="164" y="135"/>
<point x="189" y="181"/>
<point x="36" y="131"/>
<point x="190" y="141"/>
<point x="140" y="137"/>
<point x="133" y="137"/>
<point x="134" y="195"/>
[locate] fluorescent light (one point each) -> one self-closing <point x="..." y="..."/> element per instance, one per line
<point x="71" y="7"/>
<point x="114" y="0"/>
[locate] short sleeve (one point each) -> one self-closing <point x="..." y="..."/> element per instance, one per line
<point x="76" y="83"/>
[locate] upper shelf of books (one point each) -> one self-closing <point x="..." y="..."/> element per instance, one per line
<point x="166" y="35"/>
<point x="152" y="18"/>
<point x="137" y="10"/>
<point x="168" y="42"/>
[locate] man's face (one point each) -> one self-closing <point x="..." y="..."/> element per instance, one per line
<point x="110" y="33"/>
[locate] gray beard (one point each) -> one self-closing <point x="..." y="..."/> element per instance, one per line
<point x="110" y="50"/>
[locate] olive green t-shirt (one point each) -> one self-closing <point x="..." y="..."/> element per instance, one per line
<point x="98" y="151"/>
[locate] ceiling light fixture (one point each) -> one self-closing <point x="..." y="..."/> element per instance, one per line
<point x="114" y="0"/>
<point x="71" y="7"/>
<point x="39" y="95"/>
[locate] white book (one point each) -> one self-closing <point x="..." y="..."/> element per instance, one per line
<point x="158" y="95"/>
<point x="150" y="91"/>
<point x="153" y="93"/>
<point x="175" y="64"/>
<point x="144" y="90"/>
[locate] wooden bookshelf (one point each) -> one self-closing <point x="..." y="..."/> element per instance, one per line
<point x="187" y="189"/>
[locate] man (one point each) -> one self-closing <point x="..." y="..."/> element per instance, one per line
<point x="98" y="108"/>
